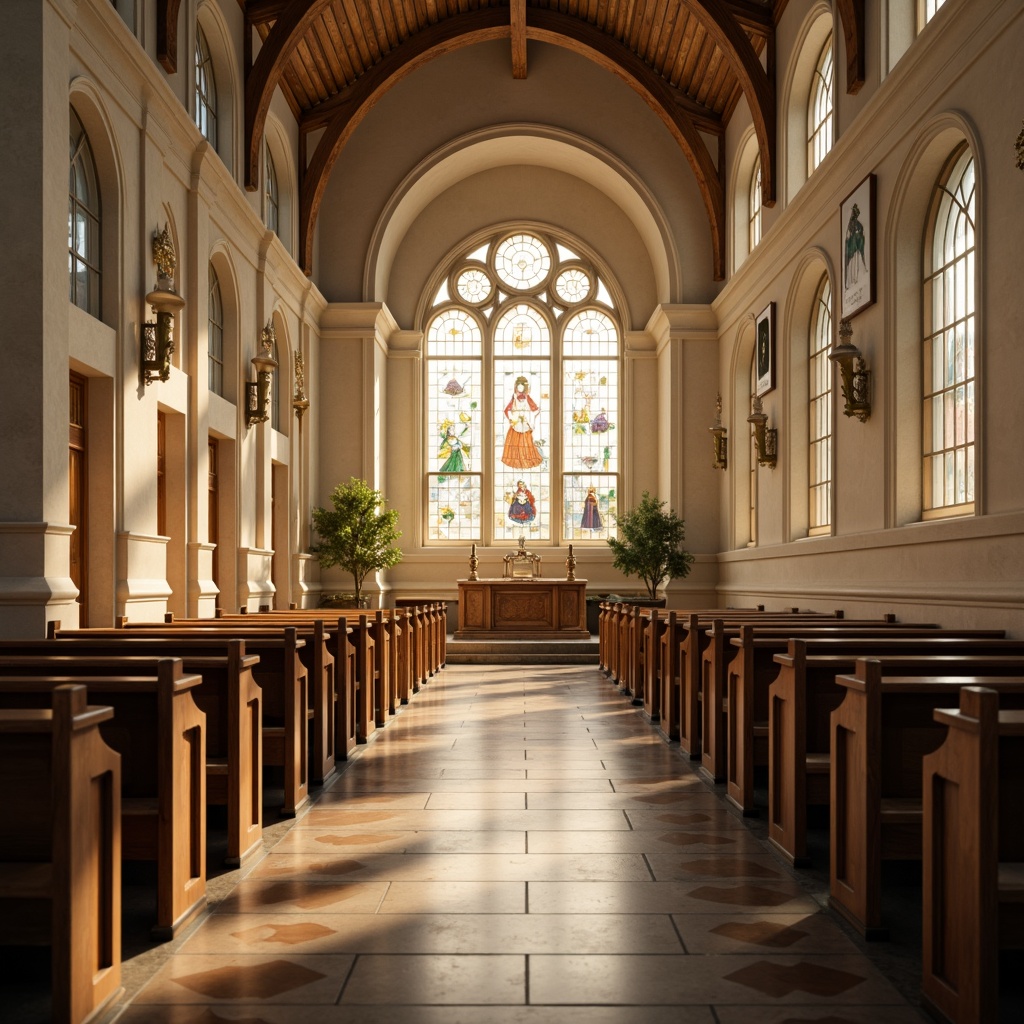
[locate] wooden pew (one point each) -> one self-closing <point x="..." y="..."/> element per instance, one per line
<point x="60" y="848"/>
<point x="160" y="734"/>
<point x="805" y="693"/>
<point x="230" y="698"/>
<point x="754" y="669"/>
<point x="287" y="710"/>
<point x="973" y="892"/>
<point x="881" y="732"/>
<point x="316" y="652"/>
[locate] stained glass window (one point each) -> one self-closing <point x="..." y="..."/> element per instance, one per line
<point x="948" y="362"/>
<point x="522" y="405"/>
<point x="819" y="112"/>
<point x="820" y="413"/>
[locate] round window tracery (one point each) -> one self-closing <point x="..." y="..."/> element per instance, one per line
<point x="522" y="261"/>
<point x="573" y="285"/>
<point x="474" y="286"/>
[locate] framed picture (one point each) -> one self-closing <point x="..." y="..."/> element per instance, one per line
<point x="765" y="342"/>
<point x="857" y="245"/>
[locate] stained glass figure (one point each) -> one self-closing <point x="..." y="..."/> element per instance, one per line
<point x="454" y="449"/>
<point x="520" y="452"/>
<point x="522" y="510"/>
<point x="591" y="518"/>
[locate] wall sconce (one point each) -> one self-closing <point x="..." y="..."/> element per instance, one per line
<point x="718" y="435"/>
<point x="300" y="403"/>
<point x="766" y="439"/>
<point x="856" y="377"/>
<point x="157" y="342"/>
<point x="257" y="392"/>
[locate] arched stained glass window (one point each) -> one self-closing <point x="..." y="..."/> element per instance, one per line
<point x="948" y="358"/>
<point x="271" y="196"/>
<point x="522" y="397"/>
<point x="215" y="338"/>
<point x="83" y="222"/>
<point x="819" y="390"/>
<point x="206" y="90"/>
<point x="819" y="111"/>
<point x="754" y="207"/>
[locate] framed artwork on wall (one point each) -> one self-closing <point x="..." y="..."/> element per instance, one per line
<point x="765" y="353"/>
<point x="857" y="244"/>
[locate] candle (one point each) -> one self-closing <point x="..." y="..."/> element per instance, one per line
<point x="472" y="552"/>
<point x="570" y="551"/>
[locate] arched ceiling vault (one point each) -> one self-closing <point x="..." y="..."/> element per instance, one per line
<point x="690" y="61"/>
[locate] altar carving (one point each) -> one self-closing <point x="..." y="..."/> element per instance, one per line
<point x="522" y="608"/>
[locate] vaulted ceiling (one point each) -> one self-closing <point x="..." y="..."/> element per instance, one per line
<point x="690" y="60"/>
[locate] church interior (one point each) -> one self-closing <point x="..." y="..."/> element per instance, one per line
<point x="513" y="266"/>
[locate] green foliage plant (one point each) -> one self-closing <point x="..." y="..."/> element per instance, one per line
<point x="358" y="533"/>
<point x="649" y="544"/>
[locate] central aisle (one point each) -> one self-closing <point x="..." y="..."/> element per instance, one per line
<point x="518" y="846"/>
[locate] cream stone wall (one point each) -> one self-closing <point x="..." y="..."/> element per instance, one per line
<point x="453" y="153"/>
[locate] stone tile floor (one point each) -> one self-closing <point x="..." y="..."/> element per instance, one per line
<point x="518" y="845"/>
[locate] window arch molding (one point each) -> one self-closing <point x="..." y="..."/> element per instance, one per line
<point x="816" y="29"/>
<point x="904" y="236"/>
<point x="84" y="99"/>
<point x="523" y="356"/>
<point x="222" y="264"/>
<point x="735" y="417"/>
<point x="813" y="267"/>
<point x="276" y="141"/>
<point x="281" y="391"/>
<point x="229" y="91"/>
<point x="739" y="208"/>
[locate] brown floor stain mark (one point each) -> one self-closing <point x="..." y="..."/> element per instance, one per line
<point x="695" y="839"/>
<point x="695" y="818"/>
<point x="287" y="934"/>
<point x="777" y="980"/>
<point x="307" y="895"/>
<point x="207" y="1016"/>
<point x="761" y="933"/>
<point x="663" y="798"/>
<point x="259" y="981"/>
<point x="323" y="867"/>
<point x="328" y="818"/>
<point x="728" y="867"/>
<point x="363" y="839"/>
<point x="743" y="896"/>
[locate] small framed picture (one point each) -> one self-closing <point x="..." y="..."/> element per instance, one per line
<point x="857" y="245"/>
<point x="765" y="342"/>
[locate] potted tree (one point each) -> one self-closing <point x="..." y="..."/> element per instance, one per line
<point x="357" y="534"/>
<point x="649" y="545"/>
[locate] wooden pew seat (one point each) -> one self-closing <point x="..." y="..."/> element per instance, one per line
<point x="60" y="848"/>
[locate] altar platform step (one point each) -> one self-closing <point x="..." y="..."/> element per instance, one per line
<point x="522" y="652"/>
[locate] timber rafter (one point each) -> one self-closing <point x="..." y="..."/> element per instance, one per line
<point x="851" y="14"/>
<point x="728" y="25"/>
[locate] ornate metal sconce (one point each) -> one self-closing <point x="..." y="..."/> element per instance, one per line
<point x="257" y="392"/>
<point x="766" y="439"/>
<point x="157" y="341"/>
<point x="856" y="377"/>
<point x="718" y="435"/>
<point x="300" y="403"/>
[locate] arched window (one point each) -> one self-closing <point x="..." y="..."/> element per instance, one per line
<point x="819" y="391"/>
<point x="215" y="343"/>
<point x="948" y="358"/>
<point x="754" y="207"/>
<point x="206" y="90"/>
<point x="522" y="406"/>
<point x="819" y="110"/>
<point x="271" y="195"/>
<point x="83" y="222"/>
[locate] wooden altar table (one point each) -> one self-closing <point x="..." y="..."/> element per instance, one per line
<point x="537" y="608"/>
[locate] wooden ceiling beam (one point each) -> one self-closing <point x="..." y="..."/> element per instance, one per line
<point x="167" y="34"/>
<point x="851" y="14"/>
<point x="265" y="75"/>
<point x="517" y="17"/>
<point x="758" y="85"/>
<point x="342" y="114"/>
